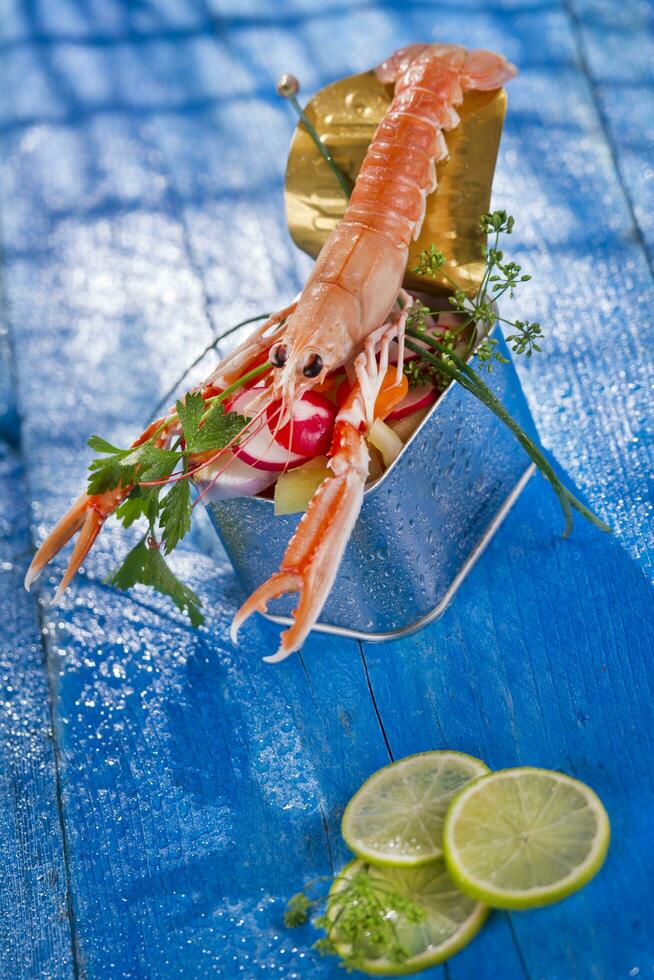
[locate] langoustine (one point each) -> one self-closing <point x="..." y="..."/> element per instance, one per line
<point x="347" y="313"/>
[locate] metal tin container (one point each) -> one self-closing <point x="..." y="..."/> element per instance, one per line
<point x="422" y="525"/>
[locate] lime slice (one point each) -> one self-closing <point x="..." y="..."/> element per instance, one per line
<point x="449" y="921"/>
<point x="524" y="837"/>
<point x="396" y="818"/>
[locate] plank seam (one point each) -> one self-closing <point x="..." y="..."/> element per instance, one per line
<point x="10" y="363"/>
<point x="77" y="972"/>
<point x="518" y="948"/>
<point x="374" y="701"/>
<point x="321" y="805"/>
<point x="580" y="46"/>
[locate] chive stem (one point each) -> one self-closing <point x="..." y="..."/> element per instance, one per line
<point x="288" y="87"/>
<point x="254" y="373"/>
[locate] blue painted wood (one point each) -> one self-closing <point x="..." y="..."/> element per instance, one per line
<point x="142" y="151"/>
<point x="544" y="659"/>
<point x="35" y="928"/>
<point x="618" y="53"/>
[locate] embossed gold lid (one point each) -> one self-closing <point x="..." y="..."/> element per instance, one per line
<point x="345" y="114"/>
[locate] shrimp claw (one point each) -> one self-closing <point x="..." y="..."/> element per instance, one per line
<point x="314" y="554"/>
<point x="87" y="515"/>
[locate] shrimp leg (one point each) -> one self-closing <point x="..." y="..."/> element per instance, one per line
<point x="234" y="364"/>
<point x="313" y="556"/>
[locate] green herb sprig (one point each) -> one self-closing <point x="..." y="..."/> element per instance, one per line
<point x="446" y="359"/>
<point x="156" y="479"/>
<point x="355" y="917"/>
<point x="501" y="276"/>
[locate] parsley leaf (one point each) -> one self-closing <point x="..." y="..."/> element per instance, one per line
<point x="155" y="463"/>
<point x="102" y="446"/>
<point x="219" y="429"/>
<point x="145" y="565"/>
<point x="175" y="515"/>
<point x="189" y="413"/>
<point x="121" y="467"/>
<point x="142" y="502"/>
<point x="110" y="472"/>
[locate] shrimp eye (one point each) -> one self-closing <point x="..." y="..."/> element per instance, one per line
<point x="278" y="355"/>
<point x="313" y="367"/>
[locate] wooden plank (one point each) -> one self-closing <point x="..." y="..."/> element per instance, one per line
<point x="36" y="937"/>
<point x="35" y="930"/>
<point x="542" y="658"/>
<point x="618" y="54"/>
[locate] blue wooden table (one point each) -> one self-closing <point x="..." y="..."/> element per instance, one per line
<point x="161" y="792"/>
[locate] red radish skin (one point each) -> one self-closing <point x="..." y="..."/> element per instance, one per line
<point x="261" y="450"/>
<point x="310" y="433"/>
<point x="417" y="398"/>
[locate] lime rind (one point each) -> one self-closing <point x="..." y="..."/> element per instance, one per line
<point x="396" y="818"/>
<point x="483" y="890"/>
<point x="460" y="937"/>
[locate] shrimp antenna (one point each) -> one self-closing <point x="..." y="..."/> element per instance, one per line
<point x="288" y="86"/>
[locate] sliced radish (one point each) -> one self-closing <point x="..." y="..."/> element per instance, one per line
<point x="420" y="397"/>
<point x="234" y="478"/>
<point x="262" y="452"/>
<point x="310" y="431"/>
<point x="258" y="447"/>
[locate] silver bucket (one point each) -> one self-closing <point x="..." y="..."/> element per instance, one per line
<point x="422" y="525"/>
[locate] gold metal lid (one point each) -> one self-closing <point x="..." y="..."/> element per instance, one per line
<point x="345" y="115"/>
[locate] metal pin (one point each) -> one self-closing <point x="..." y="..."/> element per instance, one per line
<point x="288" y="87"/>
